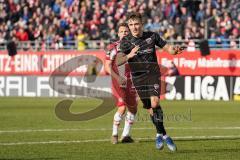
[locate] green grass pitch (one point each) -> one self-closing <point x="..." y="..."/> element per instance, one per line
<point x="30" y="130"/>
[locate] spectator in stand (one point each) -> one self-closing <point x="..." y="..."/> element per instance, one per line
<point x="1" y="40"/>
<point x="223" y="38"/>
<point x="156" y="24"/>
<point x="179" y="27"/>
<point x="212" y="41"/>
<point x="68" y="39"/>
<point x="149" y="25"/>
<point x="21" y="34"/>
<point x="80" y="38"/>
<point x="200" y="14"/>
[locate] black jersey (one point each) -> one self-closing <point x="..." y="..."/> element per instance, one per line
<point x="146" y="60"/>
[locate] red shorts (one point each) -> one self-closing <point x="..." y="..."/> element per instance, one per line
<point x="124" y="95"/>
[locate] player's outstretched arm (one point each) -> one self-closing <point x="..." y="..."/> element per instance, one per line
<point x="174" y="50"/>
<point x="167" y="47"/>
<point x="122" y="58"/>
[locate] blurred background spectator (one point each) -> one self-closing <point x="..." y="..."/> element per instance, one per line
<point x="58" y="23"/>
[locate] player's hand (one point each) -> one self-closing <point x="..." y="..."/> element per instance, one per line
<point x="133" y="52"/>
<point x="178" y="49"/>
<point x="121" y="81"/>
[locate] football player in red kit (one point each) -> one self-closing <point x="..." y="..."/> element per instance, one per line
<point x="122" y="89"/>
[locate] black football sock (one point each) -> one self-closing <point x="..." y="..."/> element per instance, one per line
<point x="157" y="120"/>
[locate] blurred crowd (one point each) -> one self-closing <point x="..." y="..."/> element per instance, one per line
<point x="59" y="23"/>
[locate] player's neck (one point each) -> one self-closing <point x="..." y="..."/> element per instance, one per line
<point x="139" y="35"/>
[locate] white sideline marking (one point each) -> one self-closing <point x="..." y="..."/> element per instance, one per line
<point x="108" y="129"/>
<point x="106" y="140"/>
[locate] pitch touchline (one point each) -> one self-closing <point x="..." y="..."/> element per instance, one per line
<point x="107" y="129"/>
<point x="106" y="140"/>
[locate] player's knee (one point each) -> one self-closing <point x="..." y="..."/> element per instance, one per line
<point x="121" y="110"/>
<point x="154" y="102"/>
<point x="130" y="117"/>
<point x="117" y="118"/>
<point x="154" y="105"/>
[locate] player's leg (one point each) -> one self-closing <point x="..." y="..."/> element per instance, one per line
<point x="131" y="101"/>
<point x="157" y="115"/>
<point x="149" y="91"/>
<point x="129" y="120"/>
<point x="157" y="112"/>
<point x="118" y="116"/>
<point x="157" y="118"/>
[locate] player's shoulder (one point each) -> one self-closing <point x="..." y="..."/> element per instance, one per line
<point x="153" y="35"/>
<point x="112" y="45"/>
<point x="149" y="33"/>
<point x="126" y="43"/>
<point x="111" y="49"/>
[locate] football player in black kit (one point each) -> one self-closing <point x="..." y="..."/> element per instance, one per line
<point x="138" y="49"/>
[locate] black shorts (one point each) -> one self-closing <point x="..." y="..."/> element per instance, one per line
<point x="146" y="87"/>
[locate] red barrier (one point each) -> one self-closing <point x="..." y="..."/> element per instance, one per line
<point x="220" y="62"/>
<point x="44" y="63"/>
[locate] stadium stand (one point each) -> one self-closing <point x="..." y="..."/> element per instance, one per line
<point x="72" y="24"/>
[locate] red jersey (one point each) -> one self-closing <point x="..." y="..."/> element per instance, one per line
<point x="124" y="95"/>
<point x="112" y="50"/>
